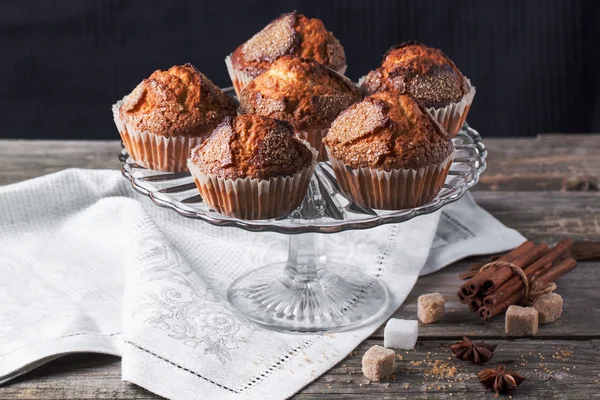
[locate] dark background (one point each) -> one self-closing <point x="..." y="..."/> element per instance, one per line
<point x="534" y="62"/>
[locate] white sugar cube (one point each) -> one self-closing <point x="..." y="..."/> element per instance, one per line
<point x="400" y="334"/>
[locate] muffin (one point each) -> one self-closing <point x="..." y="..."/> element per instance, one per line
<point x="252" y="167"/>
<point x="430" y="77"/>
<point x="290" y="34"/>
<point x="388" y="153"/>
<point x="169" y="114"/>
<point x="302" y="92"/>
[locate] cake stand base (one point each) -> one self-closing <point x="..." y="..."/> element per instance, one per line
<point x="308" y="294"/>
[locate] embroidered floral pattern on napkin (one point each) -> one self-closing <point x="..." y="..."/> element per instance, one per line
<point x="88" y="265"/>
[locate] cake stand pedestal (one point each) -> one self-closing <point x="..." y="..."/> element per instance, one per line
<point x="308" y="293"/>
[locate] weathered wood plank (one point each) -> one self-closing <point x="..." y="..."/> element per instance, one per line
<point x="548" y="162"/>
<point x="23" y="159"/>
<point x="98" y="377"/>
<point x="578" y="289"/>
<point x="81" y="376"/>
<point x="553" y="369"/>
<point x="546" y="216"/>
<point x="540" y="216"/>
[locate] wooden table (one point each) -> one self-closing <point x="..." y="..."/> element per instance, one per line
<point x="546" y="187"/>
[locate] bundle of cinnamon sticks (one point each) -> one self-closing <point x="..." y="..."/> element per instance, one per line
<point x="493" y="290"/>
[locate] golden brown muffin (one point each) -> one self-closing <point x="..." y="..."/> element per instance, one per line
<point x="252" y="146"/>
<point x="425" y="73"/>
<point x="179" y="102"/>
<point x="387" y="131"/>
<point x="300" y="91"/>
<point x="388" y="153"/>
<point x="290" y="34"/>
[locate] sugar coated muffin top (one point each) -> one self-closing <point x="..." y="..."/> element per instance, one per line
<point x="300" y="91"/>
<point x="252" y="146"/>
<point x="425" y="73"/>
<point x="387" y="130"/>
<point x="289" y="34"/>
<point x="181" y="101"/>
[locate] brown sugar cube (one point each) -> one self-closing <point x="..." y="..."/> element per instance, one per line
<point x="549" y="307"/>
<point x="521" y="321"/>
<point x="378" y="362"/>
<point x="431" y="308"/>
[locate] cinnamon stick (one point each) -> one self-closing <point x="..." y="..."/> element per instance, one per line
<point x="556" y="271"/>
<point x="585" y="250"/>
<point x="484" y="312"/>
<point x="515" y="283"/>
<point x="473" y="270"/>
<point x="560" y="268"/>
<point x="476" y="267"/>
<point x="472" y="286"/>
<point x="468" y="274"/>
<point x="502" y="274"/>
<point x="475" y="303"/>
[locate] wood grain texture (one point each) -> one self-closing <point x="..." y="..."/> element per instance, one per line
<point x="578" y="289"/>
<point x="553" y="369"/>
<point x="548" y="162"/>
<point x="21" y="159"/>
<point x="525" y="187"/>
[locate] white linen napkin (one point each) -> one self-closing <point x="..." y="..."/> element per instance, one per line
<point x="88" y="265"/>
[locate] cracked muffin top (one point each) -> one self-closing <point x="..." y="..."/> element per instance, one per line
<point x="252" y="146"/>
<point x="290" y="34"/>
<point x="425" y="73"/>
<point x="387" y="130"/>
<point x="300" y="91"/>
<point x="179" y="102"/>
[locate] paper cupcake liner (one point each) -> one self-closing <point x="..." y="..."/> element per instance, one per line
<point x="361" y="80"/>
<point x="453" y="116"/>
<point x="253" y="198"/>
<point x="160" y="153"/>
<point x="240" y="79"/>
<point x="391" y="190"/>
<point x="314" y="137"/>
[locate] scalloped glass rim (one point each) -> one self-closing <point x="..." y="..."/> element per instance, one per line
<point x="325" y="209"/>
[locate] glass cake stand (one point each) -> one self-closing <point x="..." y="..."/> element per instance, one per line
<point x="308" y="293"/>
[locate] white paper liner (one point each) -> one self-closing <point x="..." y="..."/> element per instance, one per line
<point x="391" y="190"/>
<point x="315" y="138"/>
<point x="253" y="198"/>
<point x="240" y="79"/>
<point x="361" y="80"/>
<point x="453" y="116"/>
<point x="160" y="153"/>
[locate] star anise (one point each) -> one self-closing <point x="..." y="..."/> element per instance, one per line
<point x="475" y="352"/>
<point x="500" y="380"/>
